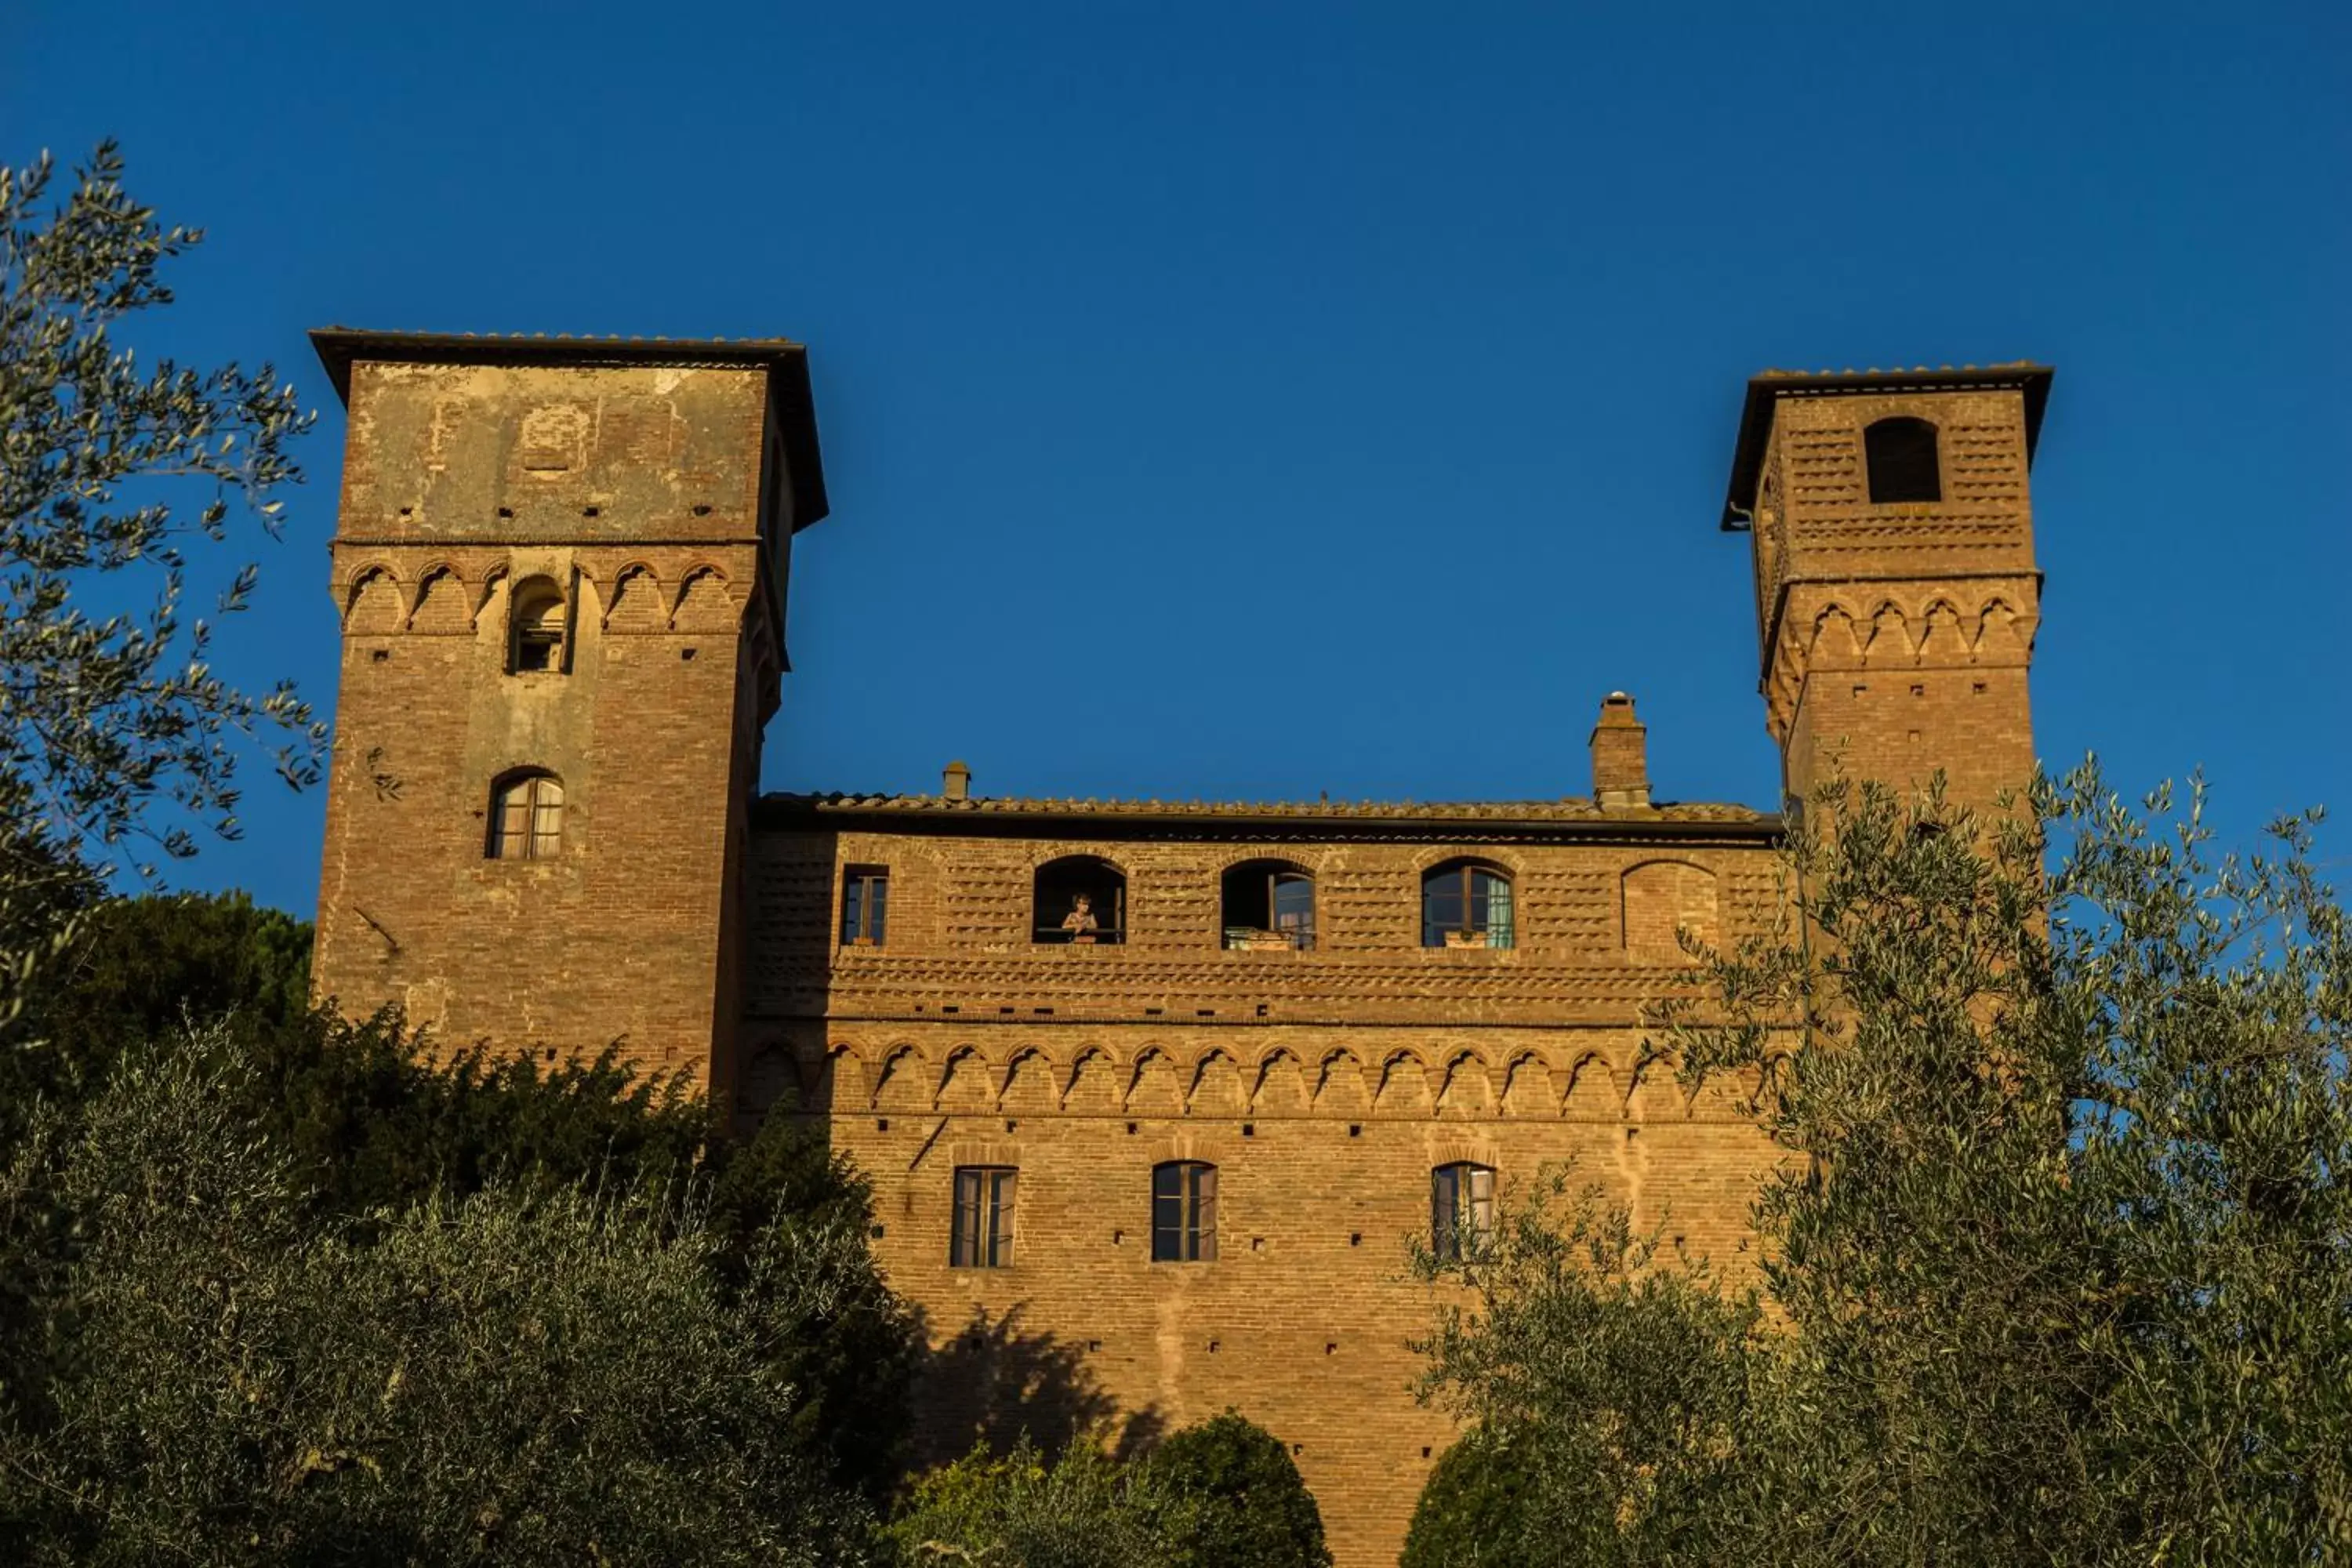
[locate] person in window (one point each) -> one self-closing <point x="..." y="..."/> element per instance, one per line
<point x="1080" y="922"/>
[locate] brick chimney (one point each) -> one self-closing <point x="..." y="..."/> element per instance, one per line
<point x="955" y="782"/>
<point x="1621" y="763"/>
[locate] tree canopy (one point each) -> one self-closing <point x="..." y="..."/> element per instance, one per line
<point x="2059" y="1267"/>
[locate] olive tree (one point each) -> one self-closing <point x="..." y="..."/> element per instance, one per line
<point x="2058" y="1265"/>
<point x="116" y="732"/>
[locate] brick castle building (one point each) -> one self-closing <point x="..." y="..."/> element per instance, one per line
<point x="1152" y="1095"/>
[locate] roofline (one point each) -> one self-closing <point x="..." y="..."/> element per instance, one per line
<point x="1765" y="389"/>
<point x="785" y="811"/>
<point x="786" y="361"/>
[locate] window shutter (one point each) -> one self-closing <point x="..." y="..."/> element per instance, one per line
<point x="514" y="821"/>
<point x="1205" y="1213"/>
<point x="1167" y="1215"/>
<point x="1000" y="1222"/>
<point x="964" y="1234"/>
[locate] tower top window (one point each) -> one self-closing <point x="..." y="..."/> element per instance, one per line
<point x="1900" y="454"/>
<point x="535" y="628"/>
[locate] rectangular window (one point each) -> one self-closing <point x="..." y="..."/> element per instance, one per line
<point x="1184" y="1213"/>
<point x="1461" y="1208"/>
<point x="865" y="903"/>
<point x="983" y="1235"/>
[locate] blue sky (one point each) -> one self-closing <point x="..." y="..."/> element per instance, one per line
<point x="1256" y="401"/>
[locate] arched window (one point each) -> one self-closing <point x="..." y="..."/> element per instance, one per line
<point x="1461" y="1208"/>
<point x="982" y="1237"/>
<point x="1269" y="904"/>
<point x="1079" y="898"/>
<point x="1184" y="1212"/>
<point x="1900" y="455"/>
<point x="1466" y="903"/>
<point x="535" y="621"/>
<point x="526" y="817"/>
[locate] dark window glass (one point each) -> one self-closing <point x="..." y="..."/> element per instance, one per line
<point x="1464" y="904"/>
<point x="1900" y="455"/>
<point x="1461" y="1208"/>
<point x="865" y="905"/>
<point x="982" y="1237"/>
<point x="526" y="818"/>
<point x="1183" y="1213"/>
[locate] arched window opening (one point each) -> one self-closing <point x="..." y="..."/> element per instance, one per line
<point x="1466" y="904"/>
<point x="1080" y="898"/>
<point x="1900" y="455"/>
<point x="1184" y="1212"/>
<point x="1461" y="1209"/>
<point x="981" y="1236"/>
<point x="526" y="817"/>
<point x="535" y="622"/>
<point x="1269" y="904"/>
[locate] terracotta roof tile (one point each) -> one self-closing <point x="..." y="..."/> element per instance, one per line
<point x="1574" y="808"/>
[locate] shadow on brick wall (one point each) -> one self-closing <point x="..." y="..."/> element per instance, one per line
<point x="995" y="1381"/>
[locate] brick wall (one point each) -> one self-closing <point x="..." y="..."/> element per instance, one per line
<point x="1325" y="1085"/>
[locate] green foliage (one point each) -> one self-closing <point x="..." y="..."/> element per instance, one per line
<point x="1084" y="1509"/>
<point x="1235" y="1500"/>
<point x="1473" y="1510"/>
<point x="1222" y="1494"/>
<point x="2060" y="1269"/>
<point x="365" y="1125"/>
<point x="507" y="1377"/>
<point x="101" y="717"/>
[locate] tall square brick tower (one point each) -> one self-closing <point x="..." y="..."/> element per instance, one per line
<point x="561" y="568"/>
<point x="1897" y="591"/>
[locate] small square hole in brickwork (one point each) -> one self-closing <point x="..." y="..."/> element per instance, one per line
<point x="1980" y="689"/>
<point x="1261" y="1009"/>
<point x="506" y="511"/>
<point x="878" y="1233"/>
<point x="1632" y="1134"/>
<point x="1117" y="1236"/>
<point x="1204" y="1011"/>
<point x="881" y="1124"/>
<point x="1425" y="1453"/>
<point x="591" y="511"/>
<point x="952" y="1009"/>
<point x="379" y="655"/>
<point x="1213" y="1347"/>
<point x="1298" y="1447"/>
<point x="550" y="1053"/>
<point x="407" y="512"/>
<point x="1011" y="1126"/>
<point x="1913" y="735"/>
<point x="1355" y="1129"/>
<point x="686" y="654"/>
<point x="702" y="512"/>
<point x="1919" y="691"/>
<point x="1043" y="1011"/>
<point x="1131" y="1129"/>
<point x="1094" y="1344"/>
<point x="1249" y="1128"/>
<point x="1330" y="1347"/>
<point x="1858" y="691"/>
<point x="1152" y="1012"/>
<point x="1355" y="1238"/>
<point x="1008" y="1009"/>
<point x="1257" y="1244"/>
